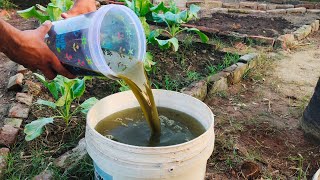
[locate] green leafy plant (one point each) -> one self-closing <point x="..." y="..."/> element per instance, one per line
<point x="7" y="4"/>
<point x="193" y="75"/>
<point x="52" y="12"/>
<point x="230" y="59"/>
<point x="65" y="92"/>
<point x="173" y="18"/>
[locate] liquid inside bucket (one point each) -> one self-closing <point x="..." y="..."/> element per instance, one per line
<point x="130" y="127"/>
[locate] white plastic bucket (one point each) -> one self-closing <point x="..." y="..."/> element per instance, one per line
<point x="317" y="175"/>
<point x="118" y="161"/>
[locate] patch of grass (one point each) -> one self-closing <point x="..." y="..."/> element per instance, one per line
<point x="219" y="44"/>
<point x="301" y="173"/>
<point x="7" y="4"/>
<point x="170" y="84"/>
<point x="214" y="69"/>
<point x="188" y="41"/>
<point x="193" y="76"/>
<point x="230" y="59"/>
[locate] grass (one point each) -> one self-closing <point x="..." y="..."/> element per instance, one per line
<point x="7" y="4"/>
<point x="300" y="171"/>
<point x="193" y="76"/>
<point x="170" y="84"/>
<point x="219" y="44"/>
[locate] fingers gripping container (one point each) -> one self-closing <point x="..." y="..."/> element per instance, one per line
<point x="105" y="42"/>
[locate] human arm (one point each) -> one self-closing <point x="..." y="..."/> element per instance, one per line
<point x="29" y="49"/>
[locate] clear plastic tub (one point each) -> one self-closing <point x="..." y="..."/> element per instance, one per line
<point x="104" y="42"/>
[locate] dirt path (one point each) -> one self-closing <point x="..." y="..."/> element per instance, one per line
<point x="258" y="120"/>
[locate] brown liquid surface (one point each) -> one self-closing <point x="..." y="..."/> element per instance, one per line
<point x="130" y="127"/>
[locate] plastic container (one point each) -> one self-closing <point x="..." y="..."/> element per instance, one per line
<point x="104" y="42"/>
<point x="317" y="175"/>
<point x="118" y="161"/>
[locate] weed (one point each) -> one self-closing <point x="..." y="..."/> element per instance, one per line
<point x="7" y="4"/>
<point x="170" y="84"/>
<point x="230" y="59"/>
<point x="193" y="75"/>
<point x="219" y="44"/>
<point x="188" y="41"/>
<point x="301" y="174"/>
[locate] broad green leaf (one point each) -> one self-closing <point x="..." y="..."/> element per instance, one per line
<point x="68" y="4"/>
<point x="193" y="12"/>
<point x="41" y="8"/>
<point x="160" y="8"/>
<point x="54" y="12"/>
<point x="35" y="128"/>
<point x="86" y="105"/>
<point x="64" y="5"/>
<point x="176" y="18"/>
<point x="145" y="25"/>
<point x="129" y="4"/>
<point x="78" y="88"/>
<point x="46" y="103"/>
<point x="33" y="13"/>
<point x="53" y="89"/>
<point x="154" y="34"/>
<point x="158" y="18"/>
<point x="204" y="38"/>
<point x="173" y="7"/>
<point x="42" y="79"/>
<point x="61" y="101"/>
<point x="167" y="43"/>
<point x="143" y="7"/>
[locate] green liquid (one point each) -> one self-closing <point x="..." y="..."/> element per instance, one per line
<point x="130" y="127"/>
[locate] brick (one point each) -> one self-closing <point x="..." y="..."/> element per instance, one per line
<point x="296" y="10"/>
<point x="213" y="4"/>
<point x="249" y="5"/>
<point x="277" y="11"/>
<point x="19" y="110"/>
<point x="307" y="6"/>
<point x="14" y="122"/>
<point x="238" y="73"/>
<point x="271" y="6"/>
<point x="313" y="11"/>
<point x="198" y="90"/>
<point x="262" y="7"/>
<point x="231" y="5"/>
<point x="219" y="10"/>
<point x="24" y="98"/>
<point x="245" y="11"/>
<point x="284" y="6"/>
<point x="302" y="32"/>
<point x="15" y="82"/>
<point x="205" y="13"/>
<point x="248" y="57"/>
<point x="219" y="86"/>
<point x="216" y="77"/>
<point x="8" y="135"/>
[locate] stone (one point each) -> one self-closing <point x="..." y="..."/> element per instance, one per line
<point x="249" y="5"/>
<point x="213" y="4"/>
<point x="198" y="90"/>
<point x="231" y="68"/>
<point x="72" y="157"/>
<point x="248" y="57"/>
<point x="279" y="1"/>
<point x="8" y="135"/>
<point x="219" y="10"/>
<point x="262" y="7"/>
<point x="205" y="13"/>
<point x="18" y="110"/>
<point x="33" y="88"/>
<point x="219" y="86"/>
<point x="4" y="152"/>
<point x="286" y="40"/>
<point x="277" y="11"/>
<point x="313" y="11"/>
<point x="24" y="98"/>
<point x="271" y="6"/>
<point x="307" y="6"/>
<point x="21" y="69"/>
<point x="316" y="25"/>
<point x="44" y="175"/>
<point x="195" y="2"/>
<point x="14" y="122"/>
<point x="245" y="11"/>
<point x="238" y="73"/>
<point x="296" y="10"/>
<point x="15" y="82"/>
<point x="231" y="5"/>
<point x="218" y="76"/>
<point x="284" y="6"/>
<point x="302" y="32"/>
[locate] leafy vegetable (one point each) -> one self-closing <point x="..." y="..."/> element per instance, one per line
<point x="35" y="128"/>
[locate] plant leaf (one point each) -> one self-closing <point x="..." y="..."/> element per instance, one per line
<point x="35" y="128"/>
<point x="145" y="25"/>
<point x="204" y="38"/>
<point x="54" y="12"/>
<point x="78" y="88"/>
<point x="86" y="105"/>
<point x="148" y="63"/>
<point x="33" y="13"/>
<point x="61" y="101"/>
<point x="46" y="103"/>
<point x="41" y="8"/>
<point x="153" y="35"/>
<point x="42" y="79"/>
<point x="193" y="12"/>
<point x="160" y="7"/>
<point x="52" y="86"/>
<point x="167" y="43"/>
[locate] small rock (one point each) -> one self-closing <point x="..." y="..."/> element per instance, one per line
<point x="204" y="51"/>
<point x="315" y="26"/>
<point x="44" y="175"/>
<point x="231" y="5"/>
<point x="249" y="5"/>
<point x="286" y="40"/>
<point x="72" y="157"/>
<point x="296" y="10"/>
<point x="4" y="152"/>
<point x="18" y="110"/>
<point x="230" y="68"/>
<point x="15" y="122"/>
<point x="250" y="170"/>
<point x="15" y="82"/>
<point x="33" y="88"/>
<point x="217" y="77"/>
<point x="238" y="73"/>
<point x="277" y="11"/>
<point x="24" y="98"/>
<point x="302" y="32"/>
<point x="8" y="135"/>
<point x="219" y="86"/>
<point x="197" y="89"/>
<point x="21" y="69"/>
<point x="248" y="57"/>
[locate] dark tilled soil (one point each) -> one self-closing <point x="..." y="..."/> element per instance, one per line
<point x="246" y="24"/>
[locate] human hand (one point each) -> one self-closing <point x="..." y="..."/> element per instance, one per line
<point x="29" y="49"/>
<point x="80" y="7"/>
